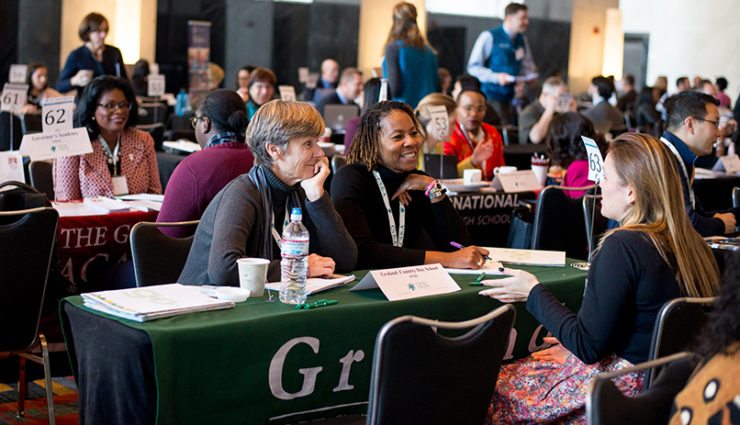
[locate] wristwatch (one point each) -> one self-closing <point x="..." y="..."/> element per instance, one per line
<point x="435" y="189"/>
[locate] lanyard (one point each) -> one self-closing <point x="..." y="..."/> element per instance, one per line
<point x="683" y="168"/>
<point x="286" y="220"/>
<point x="396" y="238"/>
<point x="113" y="157"/>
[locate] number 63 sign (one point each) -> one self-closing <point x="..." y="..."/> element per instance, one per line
<point x="595" y="162"/>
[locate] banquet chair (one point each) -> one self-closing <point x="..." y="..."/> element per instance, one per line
<point x="42" y="178"/>
<point x="31" y="123"/>
<point x="152" y="113"/>
<point x="337" y="162"/>
<point x="559" y="222"/>
<point x="678" y="324"/>
<point x="158" y="258"/>
<point x="10" y="132"/>
<point x="421" y="377"/>
<point x="26" y="247"/>
<point x="595" y="223"/>
<point x="606" y="405"/>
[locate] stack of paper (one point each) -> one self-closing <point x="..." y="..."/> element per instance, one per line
<point x="317" y="284"/>
<point x="153" y="302"/>
<point x="106" y="205"/>
<point x="530" y="257"/>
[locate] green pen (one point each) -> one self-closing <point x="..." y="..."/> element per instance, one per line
<point x="477" y="281"/>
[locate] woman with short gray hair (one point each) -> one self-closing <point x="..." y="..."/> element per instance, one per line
<point x="246" y="218"/>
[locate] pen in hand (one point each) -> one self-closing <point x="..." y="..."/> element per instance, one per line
<point x="459" y="246"/>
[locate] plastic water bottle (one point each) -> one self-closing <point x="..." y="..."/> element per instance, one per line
<point x="294" y="263"/>
<point x="183" y="103"/>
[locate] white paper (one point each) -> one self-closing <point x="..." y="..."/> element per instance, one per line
<point x="287" y="93"/>
<point x="595" y="161"/>
<point x="440" y="121"/>
<point x="11" y="167"/>
<point x="40" y="146"/>
<point x="409" y="282"/>
<point x="489" y="268"/>
<point x="142" y="197"/>
<point x="183" y="145"/>
<point x="731" y="163"/>
<point x="56" y="114"/>
<point x="528" y="256"/>
<point x="75" y="209"/>
<point x="17" y="73"/>
<point x="317" y="284"/>
<point x="14" y="97"/>
<point x="106" y="205"/>
<point x="517" y="181"/>
<point x="303" y="74"/>
<point x="155" y="85"/>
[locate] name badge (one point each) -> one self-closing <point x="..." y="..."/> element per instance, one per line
<point x="120" y="186"/>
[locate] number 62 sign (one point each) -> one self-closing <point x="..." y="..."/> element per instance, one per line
<point x="595" y="162"/>
<point x="56" y="114"/>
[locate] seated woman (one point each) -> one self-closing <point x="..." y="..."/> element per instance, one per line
<point x="566" y="149"/>
<point x="246" y="217"/>
<point x="435" y="138"/>
<point x="380" y="186"/>
<point x="123" y="158"/>
<point x="38" y="87"/>
<point x="475" y="143"/>
<point x="261" y="89"/>
<point x="654" y="256"/>
<point x="219" y="123"/>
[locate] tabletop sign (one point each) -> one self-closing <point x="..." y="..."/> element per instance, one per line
<point x="303" y="74"/>
<point x="517" y="181"/>
<point x="56" y="114"/>
<point x="56" y="144"/>
<point x="313" y="80"/>
<point x="287" y="93"/>
<point x="383" y="90"/>
<point x="409" y="282"/>
<point x="18" y="73"/>
<point x="14" y="97"/>
<point x="155" y="85"/>
<point x="595" y="161"/>
<point x="440" y="121"/>
<point x="731" y="163"/>
<point x="11" y="167"/>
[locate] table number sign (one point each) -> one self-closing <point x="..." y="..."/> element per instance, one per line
<point x="155" y="85"/>
<point x="287" y="93"/>
<point x="595" y="161"/>
<point x="14" y="97"/>
<point x="17" y="73"/>
<point x="56" y="114"/>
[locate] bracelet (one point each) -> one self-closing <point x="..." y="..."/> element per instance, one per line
<point x="435" y="190"/>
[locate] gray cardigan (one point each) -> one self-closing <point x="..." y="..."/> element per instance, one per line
<point x="231" y="228"/>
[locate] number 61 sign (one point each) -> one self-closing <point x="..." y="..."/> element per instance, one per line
<point x="56" y="114"/>
<point x="595" y="162"/>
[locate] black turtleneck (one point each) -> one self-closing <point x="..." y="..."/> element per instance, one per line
<point x="428" y="226"/>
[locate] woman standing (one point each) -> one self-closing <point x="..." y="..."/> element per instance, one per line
<point x="655" y="255"/>
<point x="410" y="65"/>
<point x="123" y="158"/>
<point x="92" y="59"/>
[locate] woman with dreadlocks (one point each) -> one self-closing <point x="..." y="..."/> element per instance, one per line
<point x="397" y="215"/>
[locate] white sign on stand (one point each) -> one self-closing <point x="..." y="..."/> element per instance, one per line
<point x="18" y="73"/>
<point x="56" y="114"/>
<point x="731" y="163"/>
<point x="303" y="73"/>
<point x="57" y="144"/>
<point x="517" y="181"/>
<point x="409" y="282"/>
<point x="595" y="161"/>
<point x="155" y="85"/>
<point x="440" y="121"/>
<point x="11" y="167"/>
<point x="287" y="93"/>
<point x="14" y="97"/>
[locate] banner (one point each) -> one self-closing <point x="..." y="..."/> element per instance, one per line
<point x="199" y="54"/>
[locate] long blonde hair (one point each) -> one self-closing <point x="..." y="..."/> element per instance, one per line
<point x="643" y="163"/>
<point x="404" y="26"/>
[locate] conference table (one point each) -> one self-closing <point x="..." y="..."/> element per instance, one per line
<point x="262" y="362"/>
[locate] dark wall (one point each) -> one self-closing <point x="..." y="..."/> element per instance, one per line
<point x="8" y="37"/>
<point x="36" y="45"/>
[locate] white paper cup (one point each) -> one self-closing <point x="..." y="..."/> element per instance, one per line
<point x="253" y="274"/>
<point x="86" y="75"/>
<point x="540" y="171"/>
<point x="472" y="176"/>
<point x="505" y="169"/>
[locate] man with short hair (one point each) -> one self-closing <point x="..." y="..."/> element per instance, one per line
<point x="326" y="82"/>
<point x="682" y="85"/>
<point x="693" y="119"/>
<point x="350" y="87"/>
<point x="534" y="121"/>
<point x="499" y="56"/>
<point x="604" y="116"/>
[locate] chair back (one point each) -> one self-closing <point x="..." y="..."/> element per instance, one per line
<point x="10" y="131"/>
<point x="559" y="223"/>
<point x="678" y="324"/>
<point x="41" y="177"/>
<point x="158" y="258"/>
<point x="156" y="130"/>
<point x="510" y="135"/>
<point x="337" y="162"/>
<point x="26" y="246"/>
<point x="595" y="223"/>
<point x="421" y="377"/>
<point x="735" y="197"/>
<point x="606" y="405"/>
<point x="31" y="123"/>
<point x="152" y="113"/>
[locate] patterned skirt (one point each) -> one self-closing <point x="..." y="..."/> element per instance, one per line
<point x="529" y="391"/>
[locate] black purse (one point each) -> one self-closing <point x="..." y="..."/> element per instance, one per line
<point x="22" y="197"/>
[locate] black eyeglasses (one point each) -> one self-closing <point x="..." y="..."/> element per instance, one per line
<point x="195" y="118"/>
<point x="716" y="123"/>
<point x="110" y="107"/>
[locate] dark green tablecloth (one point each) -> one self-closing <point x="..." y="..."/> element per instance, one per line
<point x="224" y="366"/>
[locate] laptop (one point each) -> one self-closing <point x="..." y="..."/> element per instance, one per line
<point x="336" y="117"/>
<point x="440" y="166"/>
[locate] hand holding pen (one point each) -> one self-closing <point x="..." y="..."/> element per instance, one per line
<point x="470" y="257"/>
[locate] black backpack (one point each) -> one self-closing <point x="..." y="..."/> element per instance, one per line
<point x="22" y="197"/>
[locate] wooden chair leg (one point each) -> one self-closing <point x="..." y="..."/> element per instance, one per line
<point x="22" y="387"/>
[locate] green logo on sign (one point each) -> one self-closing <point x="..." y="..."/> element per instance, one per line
<point x="412" y="287"/>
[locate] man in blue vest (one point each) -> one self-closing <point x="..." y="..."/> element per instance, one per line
<point x="499" y="56"/>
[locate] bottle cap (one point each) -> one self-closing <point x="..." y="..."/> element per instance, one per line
<point x="296" y="214"/>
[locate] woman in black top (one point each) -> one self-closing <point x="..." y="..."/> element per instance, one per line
<point x="397" y="215"/>
<point x="655" y="255"/>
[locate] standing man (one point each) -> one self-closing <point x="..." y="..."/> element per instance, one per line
<point x="499" y="56"/>
<point x="693" y="121"/>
